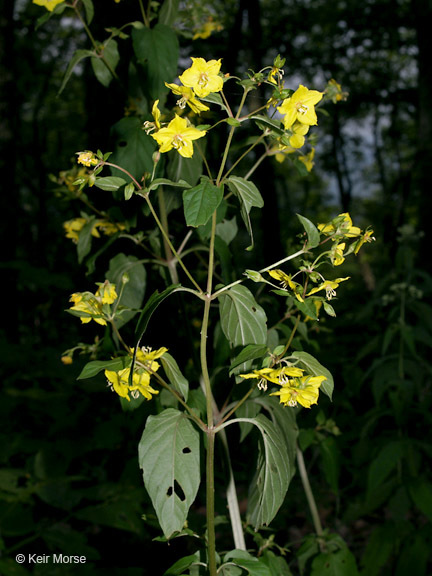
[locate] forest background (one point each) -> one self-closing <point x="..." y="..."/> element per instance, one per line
<point x="69" y="480"/>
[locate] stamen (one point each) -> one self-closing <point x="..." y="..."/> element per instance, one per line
<point x="262" y="384"/>
<point x="182" y="102"/>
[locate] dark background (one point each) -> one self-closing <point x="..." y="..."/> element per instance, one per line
<point x="69" y="480"/>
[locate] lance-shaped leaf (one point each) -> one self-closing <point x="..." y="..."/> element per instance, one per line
<point x="164" y="181"/>
<point x="200" y="202"/>
<point x="76" y="59"/>
<point x="152" y="303"/>
<point x="312" y="232"/>
<point x="93" y="368"/>
<point x="270" y="483"/>
<point x="249" y="196"/>
<point x="251" y="352"/>
<point x="243" y="321"/>
<point x="312" y="365"/>
<point x="169" y="457"/>
<point x="105" y="63"/>
<point x="174" y="375"/>
<point x="110" y="183"/>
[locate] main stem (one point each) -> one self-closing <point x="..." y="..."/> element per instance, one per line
<point x="309" y="494"/>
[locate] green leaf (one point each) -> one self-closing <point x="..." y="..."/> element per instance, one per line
<point x="249" y="196"/>
<point x="133" y="148"/>
<point x="178" y="568"/>
<point x="340" y="563"/>
<point x="89" y="10"/>
<point x="85" y="239"/>
<point x="188" y="169"/>
<point x="109" y="183"/>
<point x="285" y="421"/>
<point x="246" y="191"/>
<point x="129" y="190"/>
<point x="254" y="566"/>
<point x="215" y="98"/>
<point x="251" y="352"/>
<point x="243" y="321"/>
<point x="270" y="484"/>
<point x="266" y="123"/>
<point x="106" y="62"/>
<point x="380" y="546"/>
<point x="166" y="182"/>
<point x="134" y="291"/>
<point x="174" y="375"/>
<point x="151" y="305"/>
<point x="168" y="12"/>
<point x="170" y="459"/>
<point x="312" y="365"/>
<point x="76" y="59"/>
<point x="233" y="122"/>
<point x="93" y="368"/>
<point x="157" y="50"/>
<point x="312" y="232"/>
<point x="384" y="464"/>
<point x="330" y="455"/>
<point x="200" y="202"/>
<point x="421" y="492"/>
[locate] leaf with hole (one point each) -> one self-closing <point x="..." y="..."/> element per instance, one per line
<point x="170" y="460"/>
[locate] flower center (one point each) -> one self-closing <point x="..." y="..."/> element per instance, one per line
<point x="178" y="142"/>
<point x="182" y="102"/>
<point x="330" y="292"/>
<point x="302" y="108"/>
<point x="203" y="79"/>
<point x="262" y="384"/>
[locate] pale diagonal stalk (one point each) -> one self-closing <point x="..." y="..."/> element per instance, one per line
<point x="309" y="494"/>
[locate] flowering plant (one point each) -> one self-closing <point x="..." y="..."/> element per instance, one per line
<point x="264" y="375"/>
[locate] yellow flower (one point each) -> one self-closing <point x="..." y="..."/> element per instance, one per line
<point x="206" y="30"/>
<point x="140" y="381"/>
<point x="301" y="107"/>
<point x="337" y="254"/>
<point x="365" y="237"/>
<point x="67" y="360"/>
<point x="87" y="158"/>
<point x="329" y="286"/>
<point x="178" y="135"/>
<point x="203" y="77"/>
<point x="90" y="306"/>
<point x="303" y="390"/>
<point x="274" y="73"/>
<point x="287" y="282"/>
<point x="74" y="227"/>
<point x="274" y="375"/>
<point x="106" y="292"/>
<point x="341" y="225"/>
<point x="187" y="97"/>
<point x="48" y="4"/>
<point x="308" y="160"/>
<point x="299" y="132"/>
<point x="334" y="91"/>
<point x="109" y="228"/>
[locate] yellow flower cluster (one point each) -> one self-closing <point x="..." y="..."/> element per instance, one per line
<point x="145" y="366"/>
<point x="296" y="387"/>
<point x="96" y="306"/>
<point x="48" y="4"/>
<point x="74" y="227"/>
<point x="198" y="81"/>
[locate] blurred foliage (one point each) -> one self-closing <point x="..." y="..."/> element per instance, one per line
<point x="69" y="480"/>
